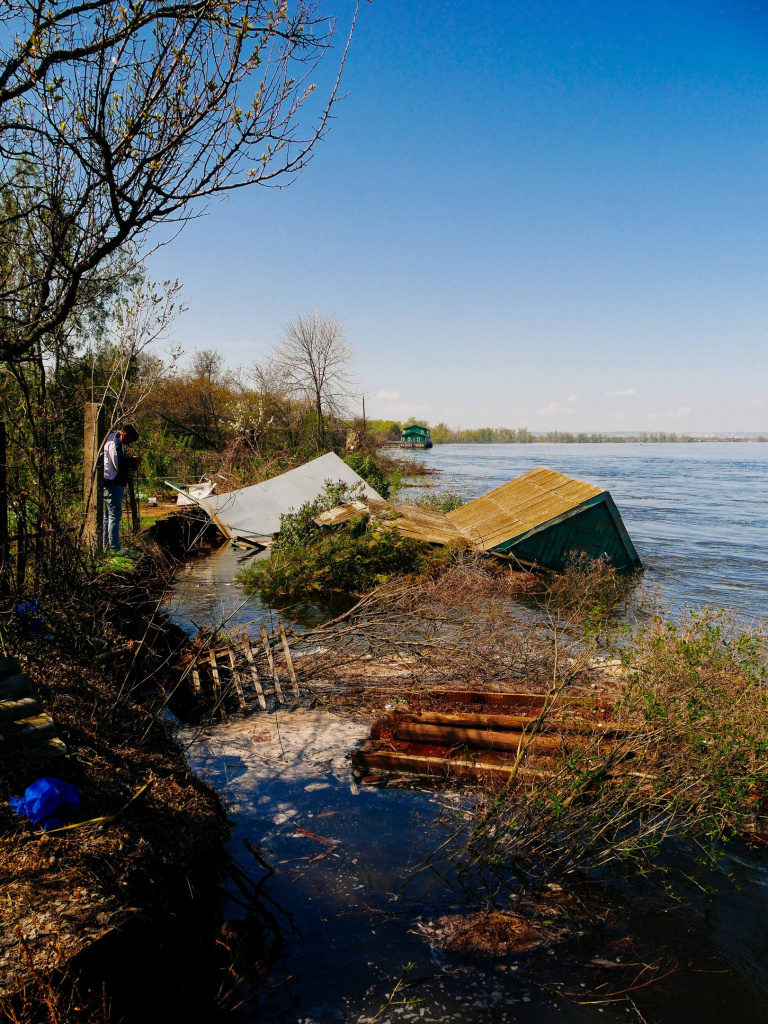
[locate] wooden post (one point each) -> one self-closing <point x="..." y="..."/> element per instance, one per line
<point x="93" y="474"/>
<point x="215" y="674"/>
<point x="133" y="504"/>
<point x="3" y="497"/>
<point x="254" y="671"/>
<point x="236" y="676"/>
<point x="289" y="660"/>
<point x="278" y="690"/>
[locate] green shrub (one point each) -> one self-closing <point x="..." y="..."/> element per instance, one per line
<point x="347" y="560"/>
<point x="365" y="467"/>
<point x="442" y="501"/>
<point x="299" y="529"/>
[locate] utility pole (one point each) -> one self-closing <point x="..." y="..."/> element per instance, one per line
<point x="363" y="413"/>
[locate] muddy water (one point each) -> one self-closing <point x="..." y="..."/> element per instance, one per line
<point x="355" y="907"/>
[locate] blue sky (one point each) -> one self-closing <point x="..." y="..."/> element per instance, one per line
<point x="552" y="214"/>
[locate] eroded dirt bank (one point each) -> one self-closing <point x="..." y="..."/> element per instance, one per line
<point x="115" y="908"/>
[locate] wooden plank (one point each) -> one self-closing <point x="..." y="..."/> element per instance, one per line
<point x="479" y="739"/>
<point x="289" y="661"/>
<point x="371" y="756"/>
<point x="272" y="669"/>
<point x="518" y="701"/>
<point x="517" y="723"/>
<point x="215" y="674"/>
<point x="236" y="677"/>
<point x="498" y="702"/>
<point x="196" y="683"/>
<point x="246" y="645"/>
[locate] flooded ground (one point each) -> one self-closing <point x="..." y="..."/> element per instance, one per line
<point x="355" y="905"/>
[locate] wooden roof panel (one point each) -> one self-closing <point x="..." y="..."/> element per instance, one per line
<point x="524" y="504"/>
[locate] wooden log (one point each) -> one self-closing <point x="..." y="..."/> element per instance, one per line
<point x="478" y="739"/>
<point x="372" y="756"/>
<point x="4" y="532"/>
<point x="133" y="504"/>
<point x="272" y="669"/>
<point x="246" y="645"/>
<point x="479" y="698"/>
<point x="519" y="723"/>
<point x="196" y="683"/>
<point x="236" y="677"/>
<point x="215" y="674"/>
<point x="289" y="661"/>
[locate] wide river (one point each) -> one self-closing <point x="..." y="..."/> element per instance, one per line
<point x="697" y="513"/>
<point x="343" y="851"/>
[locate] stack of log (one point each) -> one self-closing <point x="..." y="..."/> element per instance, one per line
<point x="468" y="734"/>
<point x="24" y="727"/>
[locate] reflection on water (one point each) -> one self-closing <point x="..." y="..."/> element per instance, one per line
<point x="697" y="513"/>
<point x="205" y="595"/>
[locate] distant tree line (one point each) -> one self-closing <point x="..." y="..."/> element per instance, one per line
<point x="441" y="433"/>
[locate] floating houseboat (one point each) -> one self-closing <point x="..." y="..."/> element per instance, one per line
<point x="415" y="436"/>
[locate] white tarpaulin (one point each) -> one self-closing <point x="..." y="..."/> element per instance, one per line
<point x="254" y="512"/>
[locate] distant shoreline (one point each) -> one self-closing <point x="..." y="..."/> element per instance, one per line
<point x="609" y="439"/>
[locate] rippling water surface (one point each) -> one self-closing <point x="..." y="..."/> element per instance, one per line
<point x="697" y="513"/>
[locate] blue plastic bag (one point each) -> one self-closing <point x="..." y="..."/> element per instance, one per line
<point x="46" y="800"/>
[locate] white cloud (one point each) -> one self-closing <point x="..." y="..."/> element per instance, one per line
<point x="672" y="414"/>
<point x="571" y="398"/>
<point x="402" y="409"/>
<point x="621" y="394"/>
<point x="392" y="395"/>
<point x="553" y="409"/>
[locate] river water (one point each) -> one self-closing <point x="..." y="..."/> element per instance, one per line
<point x="343" y="851"/>
<point x="697" y="513"/>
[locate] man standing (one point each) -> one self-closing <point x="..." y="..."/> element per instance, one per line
<point x="116" y="467"/>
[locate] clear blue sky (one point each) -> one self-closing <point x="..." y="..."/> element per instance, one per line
<point x="541" y="213"/>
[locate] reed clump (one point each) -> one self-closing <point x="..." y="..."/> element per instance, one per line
<point x="686" y="760"/>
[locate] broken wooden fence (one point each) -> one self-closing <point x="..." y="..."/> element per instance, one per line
<point x="247" y="671"/>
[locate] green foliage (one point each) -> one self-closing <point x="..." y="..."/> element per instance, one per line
<point x="440" y="501"/>
<point x="299" y="529"/>
<point x="701" y="682"/>
<point x="365" y="467"/>
<point x="347" y="560"/>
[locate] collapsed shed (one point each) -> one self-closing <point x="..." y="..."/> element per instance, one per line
<point x="541" y="518"/>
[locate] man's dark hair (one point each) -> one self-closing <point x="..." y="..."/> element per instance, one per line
<point x="131" y="433"/>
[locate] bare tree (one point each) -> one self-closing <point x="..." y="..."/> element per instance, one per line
<point x="314" y="359"/>
<point x="122" y="115"/>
